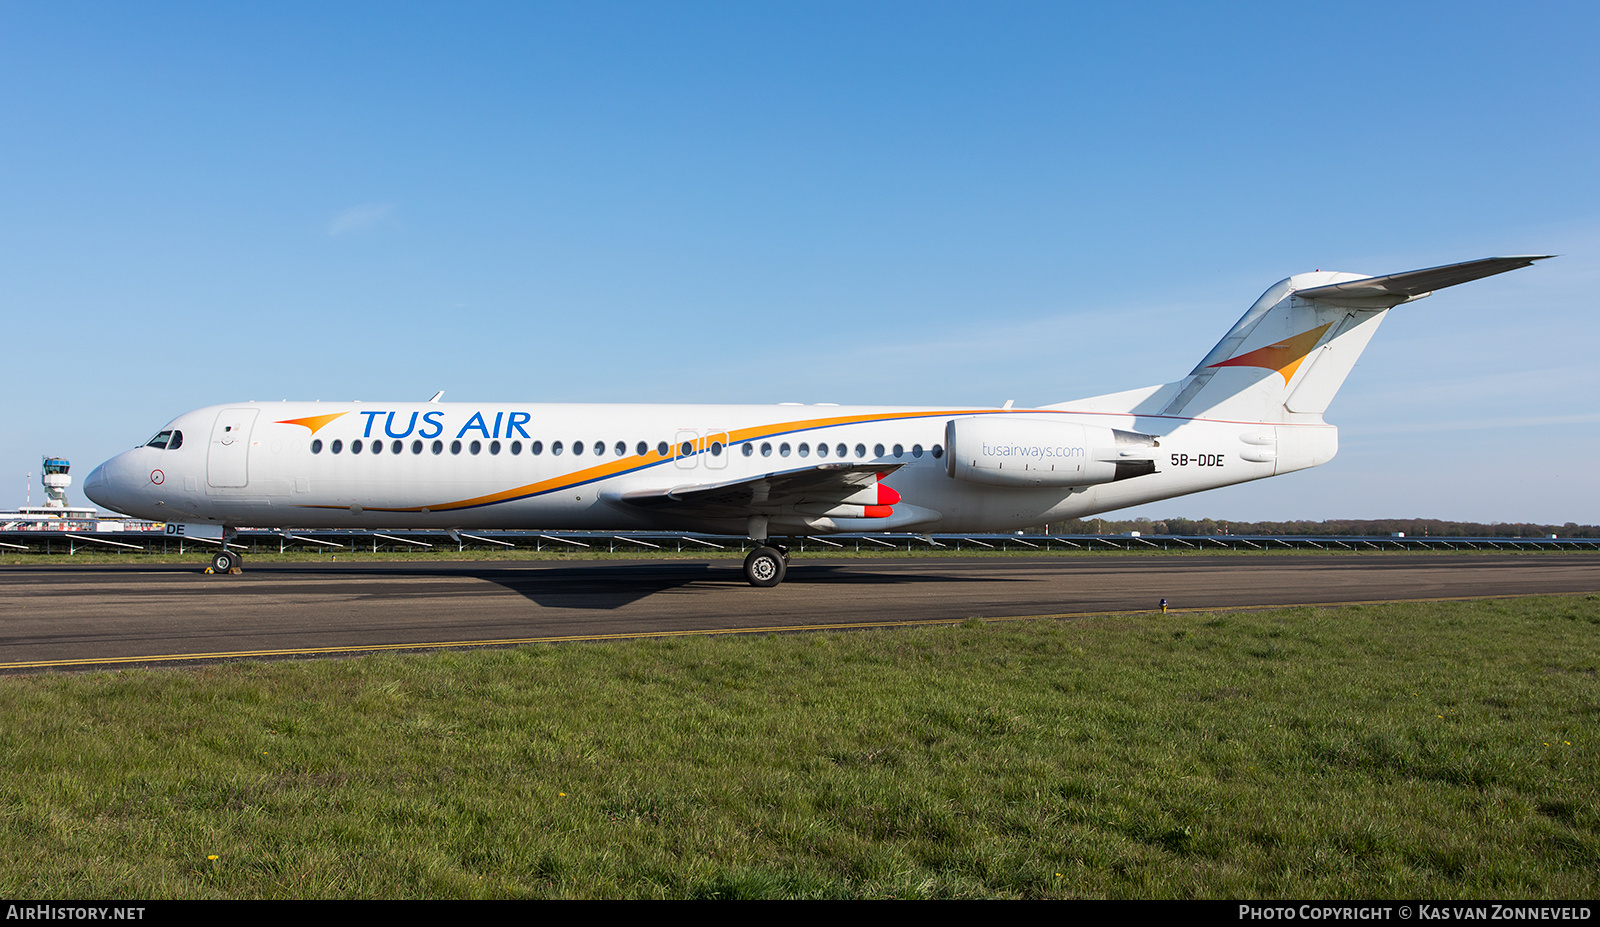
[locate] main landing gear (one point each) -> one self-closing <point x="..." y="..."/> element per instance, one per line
<point x="766" y="565"/>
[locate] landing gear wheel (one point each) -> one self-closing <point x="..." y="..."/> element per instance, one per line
<point x="765" y="567"/>
<point x="225" y="561"/>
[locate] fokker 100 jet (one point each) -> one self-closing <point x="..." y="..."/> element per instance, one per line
<point x="1251" y="408"/>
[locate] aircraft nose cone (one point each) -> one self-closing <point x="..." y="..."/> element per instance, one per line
<point x="95" y="487"/>
<point x="108" y="486"/>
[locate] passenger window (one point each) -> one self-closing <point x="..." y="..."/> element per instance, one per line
<point x="766" y="449"/>
<point x="661" y="449"/>
<point x="577" y="447"/>
<point x="916" y="450"/>
<point x="716" y="449"/>
<point x="516" y="448"/>
<point x="475" y="446"/>
<point x="748" y="449"/>
<point x="686" y="449"/>
<point x="877" y="450"/>
<point x="355" y="447"/>
<point x="536" y="448"/>
<point x="438" y="447"/>
<point x="494" y="447"/>
<point x="316" y="446"/>
<point x="397" y="447"/>
<point x="336" y="446"/>
<point x="416" y="447"/>
<point x="783" y="449"/>
<point x="861" y="450"/>
<point x="822" y="450"/>
<point x="938" y="452"/>
<point x="642" y="448"/>
<point x="455" y="446"/>
<point x="899" y="451"/>
<point x="555" y="448"/>
<point x="622" y="448"/>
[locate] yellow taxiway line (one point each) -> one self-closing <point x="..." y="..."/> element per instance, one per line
<point x="771" y="629"/>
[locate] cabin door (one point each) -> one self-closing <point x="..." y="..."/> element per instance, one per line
<point x="227" y="462"/>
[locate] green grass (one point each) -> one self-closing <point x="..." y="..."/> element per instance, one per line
<point x="1429" y="750"/>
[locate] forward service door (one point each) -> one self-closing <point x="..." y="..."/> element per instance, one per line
<point x="227" y="462"/>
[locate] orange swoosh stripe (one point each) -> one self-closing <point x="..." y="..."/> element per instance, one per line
<point x="652" y="458"/>
<point x="313" y="422"/>
<point x="1284" y="357"/>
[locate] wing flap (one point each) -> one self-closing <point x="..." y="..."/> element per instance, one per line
<point x="819" y="483"/>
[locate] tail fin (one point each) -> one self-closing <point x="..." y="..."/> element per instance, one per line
<point x="1287" y="356"/>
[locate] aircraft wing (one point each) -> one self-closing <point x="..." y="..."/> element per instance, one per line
<point x="784" y="489"/>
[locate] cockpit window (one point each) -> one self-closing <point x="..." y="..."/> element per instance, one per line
<point x="160" y="440"/>
<point x="176" y="442"/>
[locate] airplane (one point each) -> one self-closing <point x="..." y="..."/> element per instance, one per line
<point x="1251" y="408"/>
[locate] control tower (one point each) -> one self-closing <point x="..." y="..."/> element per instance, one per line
<point x="57" y="514"/>
<point x="55" y="481"/>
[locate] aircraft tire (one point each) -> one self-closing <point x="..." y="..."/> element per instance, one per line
<point x="765" y="567"/>
<point x="224" y="561"/>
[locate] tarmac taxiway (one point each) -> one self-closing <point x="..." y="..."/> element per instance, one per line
<point x="80" y="617"/>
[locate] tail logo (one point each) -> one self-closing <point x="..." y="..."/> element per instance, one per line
<point x="1284" y="357"/>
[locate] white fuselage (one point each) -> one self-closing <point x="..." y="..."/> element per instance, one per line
<point x="505" y="465"/>
<point x="1251" y="408"/>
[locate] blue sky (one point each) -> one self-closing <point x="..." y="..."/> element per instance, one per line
<point x="729" y="202"/>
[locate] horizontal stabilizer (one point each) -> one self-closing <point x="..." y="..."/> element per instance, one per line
<point x="1393" y="289"/>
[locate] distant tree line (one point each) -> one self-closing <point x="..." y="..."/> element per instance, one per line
<point x="1377" y="527"/>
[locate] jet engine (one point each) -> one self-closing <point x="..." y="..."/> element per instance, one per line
<point x="1007" y="450"/>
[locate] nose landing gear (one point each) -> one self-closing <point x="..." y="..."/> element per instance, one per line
<point x="226" y="561"/>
